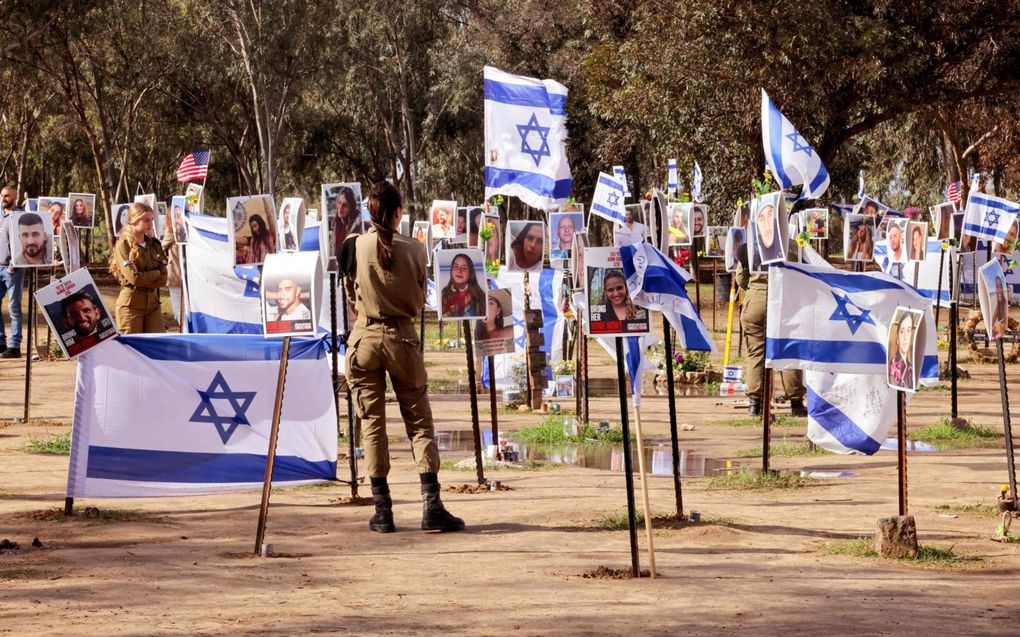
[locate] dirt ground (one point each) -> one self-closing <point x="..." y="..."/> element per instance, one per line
<point x="760" y="561"/>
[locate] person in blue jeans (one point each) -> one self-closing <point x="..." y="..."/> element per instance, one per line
<point x="10" y="279"/>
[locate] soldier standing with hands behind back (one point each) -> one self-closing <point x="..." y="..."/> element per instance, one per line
<point x="385" y="276"/>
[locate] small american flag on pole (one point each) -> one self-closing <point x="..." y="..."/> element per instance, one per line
<point x="955" y="192"/>
<point x="194" y="166"/>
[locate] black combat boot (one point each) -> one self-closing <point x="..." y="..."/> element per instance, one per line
<point x="382" y="521"/>
<point x="434" y="516"/>
<point x="798" y="409"/>
<point x="754" y="407"/>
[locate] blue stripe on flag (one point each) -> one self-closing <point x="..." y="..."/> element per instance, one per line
<point x="549" y="313"/>
<point x="849" y="282"/>
<point x="609" y="212"/>
<point x="776" y="144"/>
<point x="820" y="177"/>
<point x="695" y="338"/>
<point x="633" y="362"/>
<point x="202" y="323"/>
<point x="112" y="463"/>
<point x="612" y="183"/>
<point x="310" y="239"/>
<point x="853" y="352"/>
<point x="985" y="231"/>
<point x="555" y="188"/>
<point x="525" y="95"/>
<point x="839" y="425"/>
<point x="994" y="203"/>
<point x="222" y="347"/>
<point x="208" y="234"/>
<point x="930" y="367"/>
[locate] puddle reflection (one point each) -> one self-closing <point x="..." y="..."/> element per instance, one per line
<point x="891" y="444"/>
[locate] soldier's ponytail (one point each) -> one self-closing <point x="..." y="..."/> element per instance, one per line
<point x="384" y="204"/>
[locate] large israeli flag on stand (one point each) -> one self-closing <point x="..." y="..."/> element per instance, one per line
<point x="790" y="158"/>
<point x="828" y="320"/>
<point x="191" y="414"/>
<point x="657" y="283"/>
<point x="526" y="139"/>
<point x="988" y="217"/>
<point x="849" y="413"/>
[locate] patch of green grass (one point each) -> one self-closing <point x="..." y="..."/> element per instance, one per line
<point x="55" y="445"/>
<point x="945" y="435"/>
<point x="749" y="479"/>
<point x="782" y="450"/>
<point x="937" y="388"/>
<point x="318" y="486"/>
<point x="712" y="387"/>
<point x="937" y="556"/>
<point x="857" y="547"/>
<point x="975" y="509"/>
<point x="618" y="521"/>
<point x="552" y="432"/>
<point x="755" y="421"/>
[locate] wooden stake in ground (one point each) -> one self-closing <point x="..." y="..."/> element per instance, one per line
<point x="473" y="391"/>
<point x="274" y="434"/>
<point x="491" y="361"/>
<point x="729" y="320"/>
<point x="621" y="387"/>
<point x="901" y="448"/>
<point x="674" y="436"/>
<point x="1007" y="426"/>
<point x="352" y="430"/>
<point x="644" y="488"/>
<point x="29" y="340"/>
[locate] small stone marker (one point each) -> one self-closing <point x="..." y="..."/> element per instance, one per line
<point x="896" y="537"/>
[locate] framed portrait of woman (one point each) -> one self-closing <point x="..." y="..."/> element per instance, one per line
<point x="82" y="210"/>
<point x="251" y="229"/>
<point x="461" y="281"/>
<point x="611" y="311"/>
<point x="993" y="294"/>
<point x="494" y="333"/>
<point x="904" y="349"/>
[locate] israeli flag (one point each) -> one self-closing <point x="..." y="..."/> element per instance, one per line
<point x="696" y="187"/>
<point x="860" y="187"/>
<point x="671" y="178"/>
<point x="657" y="283"/>
<point x="987" y="217"/>
<point x="789" y="157"/>
<point x="843" y="209"/>
<point x="607" y="201"/>
<point x="526" y="139"/>
<point x="635" y="360"/>
<point x="927" y="272"/>
<point x="829" y="320"/>
<point x="191" y="414"/>
<point x="849" y="413"/>
<point x="225" y="300"/>
<point x="621" y="176"/>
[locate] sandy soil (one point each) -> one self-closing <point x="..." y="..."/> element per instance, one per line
<point x="758" y="563"/>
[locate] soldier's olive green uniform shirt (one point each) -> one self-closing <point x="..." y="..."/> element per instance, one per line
<point x="384" y="341"/>
<point x="137" y="310"/>
<point x="387" y="294"/>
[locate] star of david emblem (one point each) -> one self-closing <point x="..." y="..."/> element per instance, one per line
<point x="992" y="218"/>
<point x="543" y="133"/>
<point x="206" y="411"/>
<point x="613" y="199"/>
<point x="798" y="147"/>
<point x="842" y="313"/>
<point x="522" y="341"/>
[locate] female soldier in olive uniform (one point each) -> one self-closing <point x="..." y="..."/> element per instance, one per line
<point x="139" y="263"/>
<point x="385" y="276"/>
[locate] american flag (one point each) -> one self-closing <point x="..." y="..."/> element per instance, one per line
<point x="194" y="166"/>
<point x="955" y="192"/>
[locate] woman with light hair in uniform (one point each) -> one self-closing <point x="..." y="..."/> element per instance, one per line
<point x="139" y="263"/>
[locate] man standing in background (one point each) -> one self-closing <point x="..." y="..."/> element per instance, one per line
<point x="10" y="278"/>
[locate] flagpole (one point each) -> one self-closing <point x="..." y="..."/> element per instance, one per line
<point x="473" y="393"/>
<point x="766" y="419"/>
<point x="938" y="289"/>
<point x="621" y="387"/>
<point x="954" y="309"/>
<point x="274" y="434"/>
<point x="644" y="488"/>
<point x="1007" y="426"/>
<point x="352" y="444"/>
<point x="29" y="340"/>
<point x="674" y="436"/>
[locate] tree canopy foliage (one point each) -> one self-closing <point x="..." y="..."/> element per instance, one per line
<point x="104" y="96"/>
